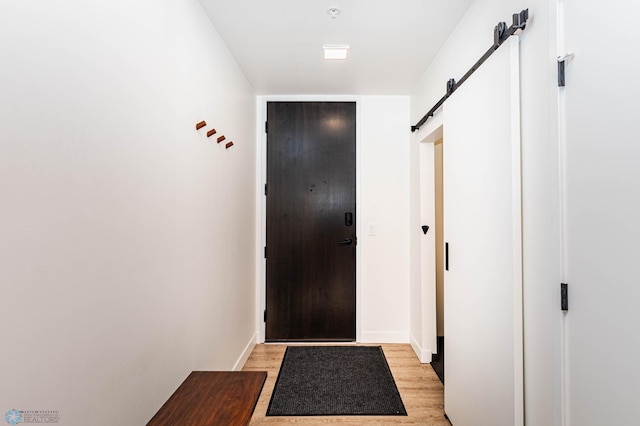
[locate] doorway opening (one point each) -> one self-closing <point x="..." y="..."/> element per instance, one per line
<point x="438" y="359"/>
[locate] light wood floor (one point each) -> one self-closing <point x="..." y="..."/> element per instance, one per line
<point x="420" y="389"/>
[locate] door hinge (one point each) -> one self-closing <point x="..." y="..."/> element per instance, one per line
<point x="265" y="252"/>
<point x="564" y="297"/>
<point x="265" y="315"/>
<point x="562" y="60"/>
<point x="265" y="189"/>
<point x="266" y="127"/>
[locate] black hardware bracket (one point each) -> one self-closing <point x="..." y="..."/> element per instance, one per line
<point x="562" y="60"/>
<point x="564" y="297"/>
<point x="500" y="34"/>
<point x="561" y="73"/>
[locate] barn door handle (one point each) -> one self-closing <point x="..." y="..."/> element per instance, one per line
<point x="346" y="242"/>
<point x="446" y="256"/>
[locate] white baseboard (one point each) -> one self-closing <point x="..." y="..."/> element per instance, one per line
<point x="383" y="337"/>
<point x="246" y="353"/>
<point x="424" y="355"/>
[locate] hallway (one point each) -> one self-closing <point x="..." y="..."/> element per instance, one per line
<point x="134" y="243"/>
<point x="420" y="389"/>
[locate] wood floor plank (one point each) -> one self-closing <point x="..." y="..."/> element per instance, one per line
<point x="419" y="387"/>
<point x="208" y="398"/>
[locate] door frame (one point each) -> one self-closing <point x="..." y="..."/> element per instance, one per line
<point x="261" y="200"/>
<point x="424" y="340"/>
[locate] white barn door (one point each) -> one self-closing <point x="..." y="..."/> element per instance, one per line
<point x="601" y="170"/>
<point x="482" y="227"/>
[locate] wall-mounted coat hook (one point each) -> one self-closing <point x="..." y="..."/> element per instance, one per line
<point x="229" y="145"/>
<point x="425" y="229"/>
<point x="211" y="133"/>
<point x="221" y="138"/>
<point x="200" y="125"/>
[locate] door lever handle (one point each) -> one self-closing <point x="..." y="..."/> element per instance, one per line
<point x="346" y="242"/>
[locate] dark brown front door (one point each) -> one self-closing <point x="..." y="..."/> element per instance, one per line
<point x="311" y="228"/>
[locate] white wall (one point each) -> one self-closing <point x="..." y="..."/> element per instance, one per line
<point x="467" y="43"/>
<point x="384" y="133"/>
<point x="125" y="233"/>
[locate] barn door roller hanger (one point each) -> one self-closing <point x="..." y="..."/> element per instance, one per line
<point x="500" y="34"/>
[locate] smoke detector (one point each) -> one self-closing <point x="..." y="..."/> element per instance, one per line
<point x="333" y="12"/>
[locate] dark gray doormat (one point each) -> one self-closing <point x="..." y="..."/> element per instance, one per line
<point x="335" y="381"/>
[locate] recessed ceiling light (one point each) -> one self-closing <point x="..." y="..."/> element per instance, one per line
<point x="336" y="52"/>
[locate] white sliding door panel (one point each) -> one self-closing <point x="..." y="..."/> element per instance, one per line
<point x="601" y="167"/>
<point x="482" y="226"/>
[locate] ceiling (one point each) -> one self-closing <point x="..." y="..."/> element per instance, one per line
<point x="278" y="43"/>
